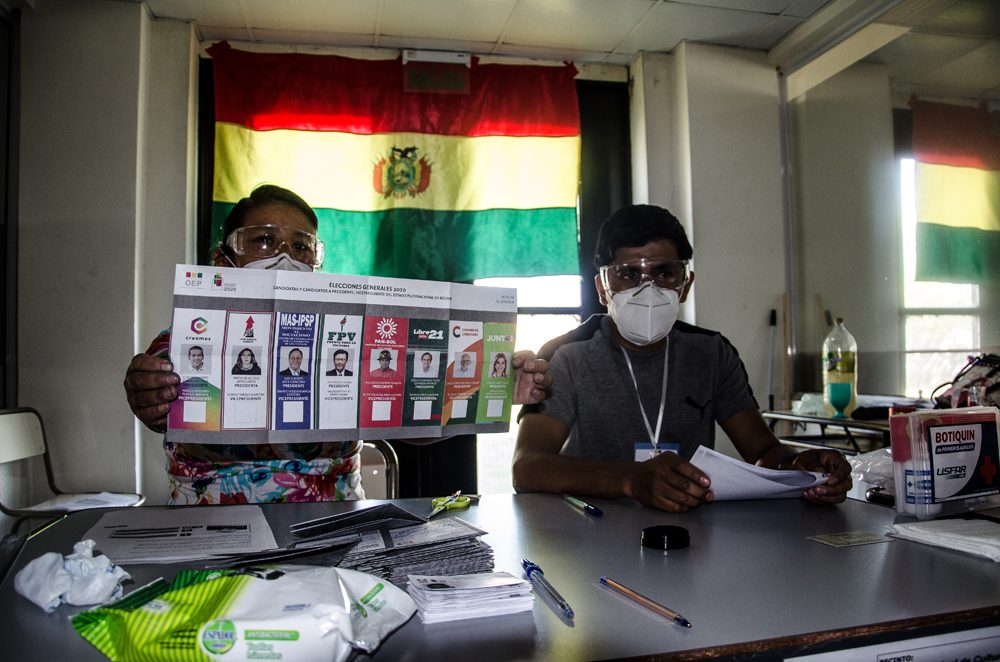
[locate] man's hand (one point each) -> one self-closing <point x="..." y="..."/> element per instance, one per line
<point x="150" y="386"/>
<point x="669" y="482"/>
<point x="826" y="461"/>
<point x="530" y="378"/>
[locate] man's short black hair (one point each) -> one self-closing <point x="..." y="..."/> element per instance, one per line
<point x="637" y="225"/>
<point x="296" y="350"/>
<point x="427" y="354"/>
<point x="340" y="351"/>
<point x="262" y="196"/>
<point x="195" y="347"/>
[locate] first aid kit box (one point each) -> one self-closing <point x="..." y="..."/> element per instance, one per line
<point x="946" y="461"/>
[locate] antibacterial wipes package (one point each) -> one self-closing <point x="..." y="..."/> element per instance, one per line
<point x="276" y="613"/>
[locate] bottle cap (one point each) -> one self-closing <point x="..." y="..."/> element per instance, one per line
<point x="665" y="537"/>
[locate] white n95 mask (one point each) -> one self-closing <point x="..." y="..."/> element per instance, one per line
<point x="644" y="314"/>
<point x="280" y="262"/>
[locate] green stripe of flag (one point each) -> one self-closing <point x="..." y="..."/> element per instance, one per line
<point x="957" y="255"/>
<point x="443" y="245"/>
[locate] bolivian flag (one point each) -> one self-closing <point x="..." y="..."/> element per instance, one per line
<point x="958" y="193"/>
<point x="442" y="186"/>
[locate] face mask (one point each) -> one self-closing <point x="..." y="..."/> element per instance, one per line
<point x="645" y="314"/>
<point x="280" y="262"/>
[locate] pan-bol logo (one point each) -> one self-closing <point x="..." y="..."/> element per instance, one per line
<point x="386" y="328"/>
<point x="199" y="325"/>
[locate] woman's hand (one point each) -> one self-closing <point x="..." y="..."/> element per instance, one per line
<point x="150" y="386"/>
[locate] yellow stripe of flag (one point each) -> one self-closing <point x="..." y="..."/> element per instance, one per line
<point x="958" y="197"/>
<point x="336" y="170"/>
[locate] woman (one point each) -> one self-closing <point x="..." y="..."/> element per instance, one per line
<point x="246" y="363"/>
<point x="499" y="366"/>
<point x="273" y="228"/>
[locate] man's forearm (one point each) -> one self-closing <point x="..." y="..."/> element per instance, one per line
<point x="561" y="474"/>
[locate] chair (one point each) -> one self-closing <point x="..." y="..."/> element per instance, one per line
<point x="22" y="436"/>
<point x="378" y="456"/>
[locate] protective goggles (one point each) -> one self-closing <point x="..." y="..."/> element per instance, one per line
<point x="665" y="274"/>
<point x="264" y="241"/>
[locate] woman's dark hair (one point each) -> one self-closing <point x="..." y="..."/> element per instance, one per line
<point x="637" y="225"/>
<point x="264" y="195"/>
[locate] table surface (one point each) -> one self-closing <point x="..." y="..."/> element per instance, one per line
<point x="750" y="574"/>
<point x="877" y="425"/>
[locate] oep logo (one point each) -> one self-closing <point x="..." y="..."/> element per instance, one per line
<point x="217" y="637"/>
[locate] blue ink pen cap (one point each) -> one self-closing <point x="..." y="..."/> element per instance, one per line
<point x="665" y="537"/>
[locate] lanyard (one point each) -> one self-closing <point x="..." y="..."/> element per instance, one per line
<point x="653" y="436"/>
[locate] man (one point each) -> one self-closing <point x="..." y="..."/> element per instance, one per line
<point x="612" y="408"/>
<point x="424" y="371"/>
<point x="339" y="365"/>
<point x="196" y="357"/>
<point x="383" y="371"/>
<point x="294" y="364"/>
<point x="465" y="367"/>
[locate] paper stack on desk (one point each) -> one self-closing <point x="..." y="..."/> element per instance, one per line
<point x="453" y="598"/>
<point x="444" y="547"/>
<point x="976" y="536"/>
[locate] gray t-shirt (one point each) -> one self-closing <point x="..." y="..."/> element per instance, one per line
<point x="593" y="394"/>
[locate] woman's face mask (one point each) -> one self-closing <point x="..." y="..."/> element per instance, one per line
<point x="644" y="314"/>
<point x="280" y="262"/>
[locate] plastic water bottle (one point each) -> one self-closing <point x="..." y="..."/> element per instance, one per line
<point x="840" y="366"/>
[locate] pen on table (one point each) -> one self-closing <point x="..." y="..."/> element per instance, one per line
<point x="587" y="508"/>
<point x="645" y="602"/>
<point x="538" y="580"/>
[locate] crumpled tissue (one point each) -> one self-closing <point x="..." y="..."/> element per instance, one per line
<point x="79" y="579"/>
<point x="979" y="537"/>
<point x="811" y="404"/>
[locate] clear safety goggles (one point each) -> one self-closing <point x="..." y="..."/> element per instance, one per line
<point x="665" y="274"/>
<point x="263" y="241"/>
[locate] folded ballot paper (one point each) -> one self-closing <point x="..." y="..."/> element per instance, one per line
<point x="975" y="536"/>
<point x="451" y="598"/>
<point x="734" y="480"/>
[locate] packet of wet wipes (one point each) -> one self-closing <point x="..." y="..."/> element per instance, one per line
<point x="289" y="612"/>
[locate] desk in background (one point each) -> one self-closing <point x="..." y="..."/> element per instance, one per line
<point x="750" y="581"/>
<point x="849" y="436"/>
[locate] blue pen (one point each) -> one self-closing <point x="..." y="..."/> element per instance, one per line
<point x="587" y="508"/>
<point x="538" y="580"/>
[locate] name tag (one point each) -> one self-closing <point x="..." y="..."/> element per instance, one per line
<point x="644" y="451"/>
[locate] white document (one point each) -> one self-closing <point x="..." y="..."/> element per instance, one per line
<point x="979" y="537"/>
<point x="100" y="500"/>
<point x="140" y="535"/>
<point x="733" y="480"/>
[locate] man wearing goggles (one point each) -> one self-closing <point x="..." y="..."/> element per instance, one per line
<point x="634" y="383"/>
<point x="273" y="228"/>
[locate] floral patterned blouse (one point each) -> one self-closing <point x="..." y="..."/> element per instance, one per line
<point x="260" y="473"/>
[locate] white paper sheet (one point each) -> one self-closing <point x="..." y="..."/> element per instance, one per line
<point x="734" y="480"/>
<point x="99" y="500"/>
<point x="140" y="535"/>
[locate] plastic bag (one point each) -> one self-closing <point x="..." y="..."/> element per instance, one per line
<point x="290" y="612"/>
<point x="874" y="468"/>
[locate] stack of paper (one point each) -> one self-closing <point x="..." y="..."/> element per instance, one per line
<point x="445" y="547"/>
<point x="733" y="479"/>
<point x="979" y="537"/>
<point x="453" y="598"/>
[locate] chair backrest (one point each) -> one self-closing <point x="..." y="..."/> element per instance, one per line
<point x="379" y="470"/>
<point x="21" y="435"/>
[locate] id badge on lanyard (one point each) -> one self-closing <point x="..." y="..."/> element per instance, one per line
<point x="645" y="450"/>
<point x="648" y="450"/>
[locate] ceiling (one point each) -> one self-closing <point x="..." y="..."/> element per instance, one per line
<point x="949" y="52"/>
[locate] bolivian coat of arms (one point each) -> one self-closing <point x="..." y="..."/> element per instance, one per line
<point x="403" y="174"/>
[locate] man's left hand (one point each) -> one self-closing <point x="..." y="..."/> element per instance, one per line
<point x="531" y="378"/>
<point x="826" y="461"/>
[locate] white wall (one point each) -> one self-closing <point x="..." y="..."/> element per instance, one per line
<point x="717" y="116"/>
<point x="106" y="182"/>
<point x="847" y="216"/>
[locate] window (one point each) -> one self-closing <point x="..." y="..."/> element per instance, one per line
<point x="940" y="320"/>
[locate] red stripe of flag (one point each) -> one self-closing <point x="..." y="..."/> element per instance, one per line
<point x="952" y="135"/>
<point x="264" y="91"/>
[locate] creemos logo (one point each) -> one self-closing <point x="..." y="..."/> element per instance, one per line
<point x="199" y="325"/>
<point x="218" y="637"/>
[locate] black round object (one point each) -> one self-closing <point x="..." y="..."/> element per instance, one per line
<point x="665" y="537"/>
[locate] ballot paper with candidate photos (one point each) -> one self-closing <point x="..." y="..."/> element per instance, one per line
<point x="445" y="547"/>
<point x="443" y="598"/>
<point x="735" y="480"/>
